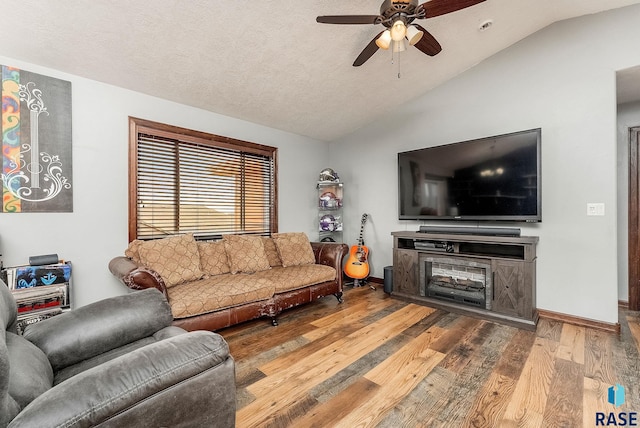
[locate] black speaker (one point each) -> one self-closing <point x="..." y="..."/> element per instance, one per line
<point x="388" y="279"/>
<point x="46" y="259"/>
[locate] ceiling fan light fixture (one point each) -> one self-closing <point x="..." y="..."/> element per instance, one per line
<point x="413" y="34"/>
<point x="384" y="40"/>
<point x="397" y="17"/>
<point x="398" y="30"/>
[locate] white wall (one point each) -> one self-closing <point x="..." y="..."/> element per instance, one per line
<point x="628" y="116"/>
<point x="561" y="79"/>
<point x="97" y="229"/>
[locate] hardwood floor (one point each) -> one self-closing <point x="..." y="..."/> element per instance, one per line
<point x="375" y="361"/>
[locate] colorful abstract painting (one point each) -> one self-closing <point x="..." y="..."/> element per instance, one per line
<point x="36" y="143"/>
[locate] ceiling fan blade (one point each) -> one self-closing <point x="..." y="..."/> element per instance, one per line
<point x="428" y="44"/>
<point x="348" y="19"/>
<point x="442" y="7"/>
<point x="367" y="52"/>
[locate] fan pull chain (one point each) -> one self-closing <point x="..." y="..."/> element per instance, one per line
<point x="393" y="56"/>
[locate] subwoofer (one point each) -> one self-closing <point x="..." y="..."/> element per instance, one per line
<point x="388" y="279"/>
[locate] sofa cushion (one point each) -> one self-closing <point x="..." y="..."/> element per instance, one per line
<point x="218" y="292"/>
<point x="271" y="251"/>
<point x="86" y="364"/>
<point x="133" y="250"/>
<point x="246" y="253"/>
<point x="100" y="326"/>
<point x="294" y="249"/>
<point x="213" y="258"/>
<point x="295" y="277"/>
<point x="176" y="258"/>
<point x="30" y="373"/>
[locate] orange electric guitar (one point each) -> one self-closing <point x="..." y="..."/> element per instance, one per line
<point x="357" y="266"/>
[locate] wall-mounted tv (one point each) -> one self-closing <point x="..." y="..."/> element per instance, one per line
<point x="494" y="178"/>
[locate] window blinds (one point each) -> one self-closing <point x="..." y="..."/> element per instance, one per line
<point x="204" y="189"/>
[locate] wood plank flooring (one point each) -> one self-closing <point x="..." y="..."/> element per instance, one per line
<point x="375" y="361"/>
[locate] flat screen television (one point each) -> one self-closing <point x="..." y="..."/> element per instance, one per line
<point x="495" y="178"/>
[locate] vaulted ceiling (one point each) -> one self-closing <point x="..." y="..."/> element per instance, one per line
<point x="268" y="61"/>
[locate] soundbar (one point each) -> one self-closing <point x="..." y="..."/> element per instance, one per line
<point x="464" y="230"/>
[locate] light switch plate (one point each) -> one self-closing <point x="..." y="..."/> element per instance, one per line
<point x="595" y="209"/>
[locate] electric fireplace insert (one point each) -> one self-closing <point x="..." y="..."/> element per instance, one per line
<point x="462" y="280"/>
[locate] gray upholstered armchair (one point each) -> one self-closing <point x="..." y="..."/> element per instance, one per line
<point x="113" y="363"/>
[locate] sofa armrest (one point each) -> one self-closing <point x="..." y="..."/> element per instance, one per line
<point x="99" y="327"/>
<point x="136" y="386"/>
<point x="135" y="276"/>
<point x="331" y="254"/>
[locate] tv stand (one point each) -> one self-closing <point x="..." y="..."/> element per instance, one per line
<point x="492" y="277"/>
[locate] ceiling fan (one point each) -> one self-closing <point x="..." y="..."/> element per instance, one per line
<point x="398" y="16"/>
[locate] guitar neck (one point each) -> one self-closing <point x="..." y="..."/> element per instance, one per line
<point x="360" y="240"/>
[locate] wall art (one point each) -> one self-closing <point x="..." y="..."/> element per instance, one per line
<point x="36" y="143"/>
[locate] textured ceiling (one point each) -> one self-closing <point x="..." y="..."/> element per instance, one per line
<point x="267" y="62"/>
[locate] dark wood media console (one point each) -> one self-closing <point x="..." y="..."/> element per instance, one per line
<point x="492" y="277"/>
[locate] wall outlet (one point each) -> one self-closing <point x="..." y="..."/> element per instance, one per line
<point x="595" y="209"/>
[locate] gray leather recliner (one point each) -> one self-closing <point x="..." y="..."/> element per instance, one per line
<point x="114" y="363"/>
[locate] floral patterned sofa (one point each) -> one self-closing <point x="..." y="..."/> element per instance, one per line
<point x="214" y="284"/>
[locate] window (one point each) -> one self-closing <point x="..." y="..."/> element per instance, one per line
<point x="184" y="181"/>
